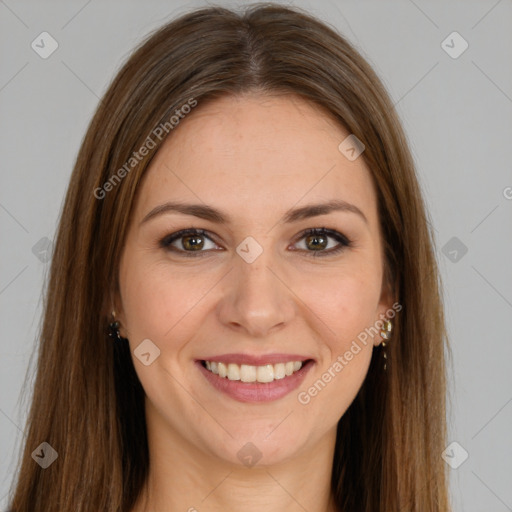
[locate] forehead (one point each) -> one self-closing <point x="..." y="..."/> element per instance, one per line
<point x="257" y="155"/>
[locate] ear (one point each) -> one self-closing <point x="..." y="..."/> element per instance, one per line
<point x="386" y="302"/>
<point x="115" y="308"/>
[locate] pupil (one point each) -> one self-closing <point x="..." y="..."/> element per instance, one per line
<point x="315" y="239"/>
<point x="193" y="242"/>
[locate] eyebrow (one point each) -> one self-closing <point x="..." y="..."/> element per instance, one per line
<point x="293" y="215"/>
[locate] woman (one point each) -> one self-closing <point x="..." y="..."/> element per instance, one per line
<point x="243" y="307"/>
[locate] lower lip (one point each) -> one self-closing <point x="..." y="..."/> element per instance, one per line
<point x="256" y="391"/>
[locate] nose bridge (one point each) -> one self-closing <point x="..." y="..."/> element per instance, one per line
<point x="257" y="299"/>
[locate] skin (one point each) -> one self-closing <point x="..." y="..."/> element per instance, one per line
<point x="253" y="157"/>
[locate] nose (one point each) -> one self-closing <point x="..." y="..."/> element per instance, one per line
<point x="256" y="298"/>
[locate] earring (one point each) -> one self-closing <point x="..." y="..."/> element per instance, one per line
<point x="385" y="334"/>
<point x="113" y="329"/>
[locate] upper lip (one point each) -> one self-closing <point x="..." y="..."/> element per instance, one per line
<point x="256" y="360"/>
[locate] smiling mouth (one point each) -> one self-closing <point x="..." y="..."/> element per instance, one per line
<point x="248" y="373"/>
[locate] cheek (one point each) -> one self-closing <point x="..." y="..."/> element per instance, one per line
<point x="346" y="306"/>
<point x="152" y="303"/>
<point x="345" y="301"/>
<point x="162" y="305"/>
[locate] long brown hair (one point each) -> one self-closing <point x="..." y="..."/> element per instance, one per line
<point x="88" y="403"/>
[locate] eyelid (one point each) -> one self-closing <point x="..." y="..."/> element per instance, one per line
<point x="343" y="241"/>
<point x="333" y="233"/>
<point x="166" y="242"/>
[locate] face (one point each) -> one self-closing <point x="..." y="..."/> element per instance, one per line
<point x="250" y="290"/>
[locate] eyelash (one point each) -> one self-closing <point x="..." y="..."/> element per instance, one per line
<point x="343" y="241"/>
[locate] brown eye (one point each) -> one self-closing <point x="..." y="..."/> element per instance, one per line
<point x="316" y="242"/>
<point x="192" y="242"/>
<point x="188" y="242"/>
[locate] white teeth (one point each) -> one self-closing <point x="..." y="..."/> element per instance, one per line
<point x="249" y="373"/>
<point x="265" y="373"/>
<point x="233" y="372"/>
<point x="223" y="370"/>
<point x="279" y="371"/>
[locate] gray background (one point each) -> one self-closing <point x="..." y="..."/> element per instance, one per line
<point x="457" y="115"/>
